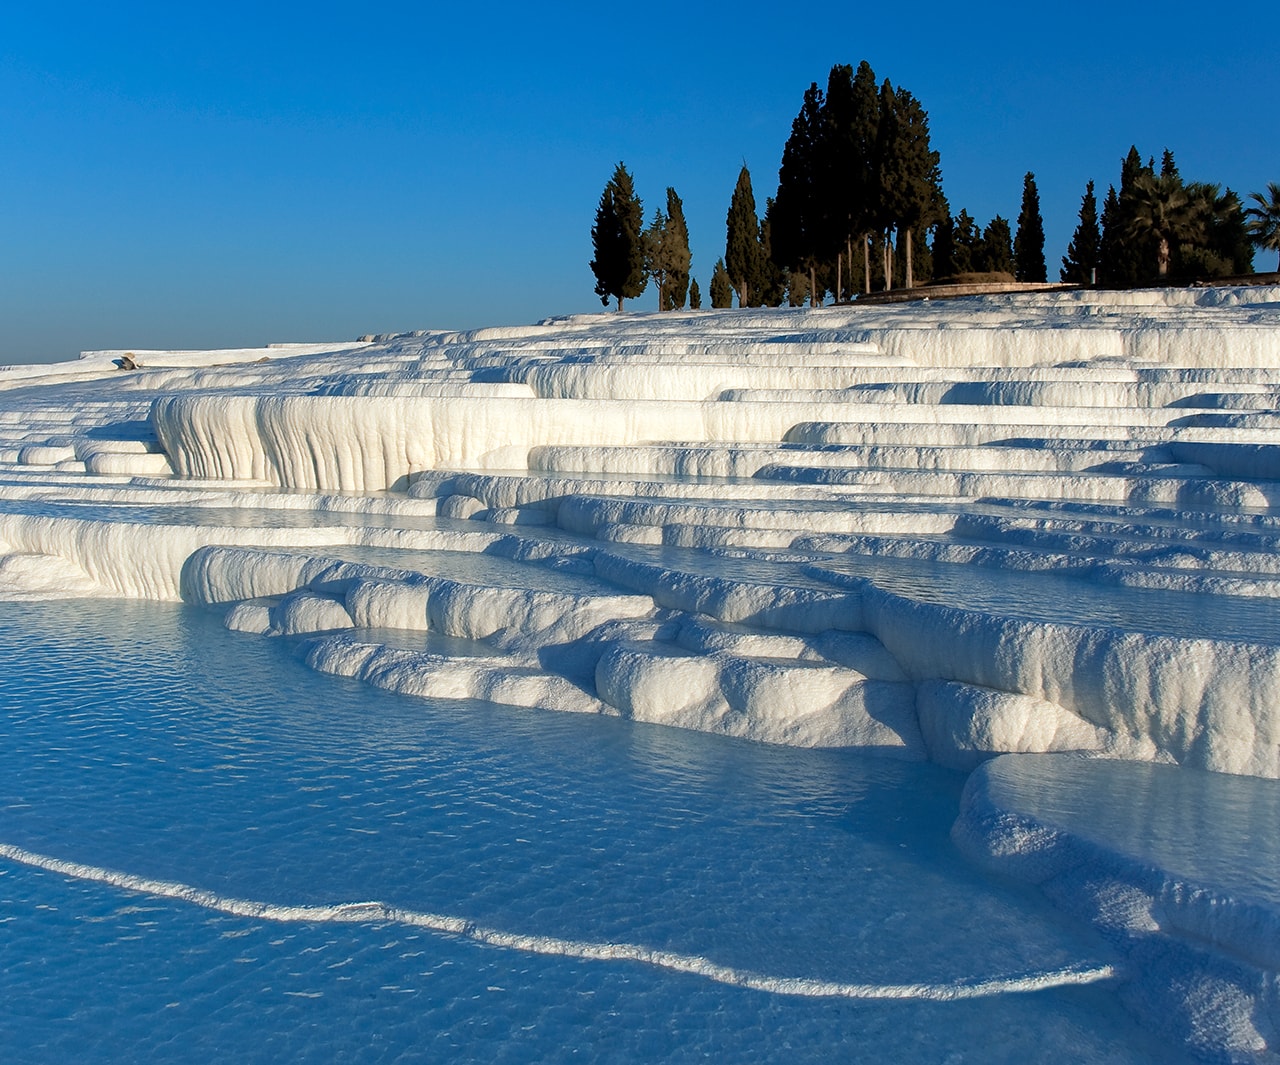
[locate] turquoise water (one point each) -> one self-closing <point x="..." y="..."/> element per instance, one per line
<point x="146" y="740"/>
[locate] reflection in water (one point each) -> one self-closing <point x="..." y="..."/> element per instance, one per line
<point x="147" y="739"/>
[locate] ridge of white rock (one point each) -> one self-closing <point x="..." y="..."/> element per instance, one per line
<point x="1179" y="870"/>
<point x="1051" y="513"/>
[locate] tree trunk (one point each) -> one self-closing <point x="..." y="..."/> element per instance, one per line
<point x="910" y="278"/>
<point x="619" y="304"/>
<point x="839" y="278"/>
<point x="813" y="285"/>
<point x="888" y="262"/>
<point x="866" y="260"/>
<point x="1162" y="256"/>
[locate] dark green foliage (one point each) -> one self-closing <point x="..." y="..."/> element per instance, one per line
<point x="797" y="288"/>
<point x="654" y="258"/>
<point x="994" y="254"/>
<point x="913" y="199"/>
<point x="966" y="244"/>
<point x="1124" y="256"/>
<point x="618" y="240"/>
<point x="1225" y="248"/>
<point x="848" y="179"/>
<point x="721" y="287"/>
<point x="1028" y="244"/>
<point x="695" y="295"/>
<point x="1168" y="168"/>
<point x="676" y="247"/>
<point x="797" y="223"/>
<point x="858" y="163"/>
<point x="1081" y="260"/>
<point x="666" y="251"/>
<point x="944" y="249"/>
<point x="922" y="256"/>
<point x="891" y="167"/>
<point x="743" y="256"/>
<point x="773" y="279"/>
<point x="1161" y="215"/>
<point x="1263" y="216"/>
<point x="1109" y="239"/>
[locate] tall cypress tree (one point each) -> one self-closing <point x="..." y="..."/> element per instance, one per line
<point x="891" y="168"/>
<point x="695" y="295"/>
<point x="1109" y="238"/>
<point x="918" y="201"/>
<point x="797" y="222"/>
<point x="865" y="138"/>
<point x="618" y="240"/>
<point x="742" y="246"/>
<point x="678" y="256"/>
<point x="846" y="166"/>
<point x="1028" y="244"/>
<point x="1081" y="261"/>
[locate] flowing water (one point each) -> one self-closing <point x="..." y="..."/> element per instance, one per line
<point x="186" y="815"/>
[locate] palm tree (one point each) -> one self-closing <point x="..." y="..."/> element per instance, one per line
<point x="1264" y="219"/>
<point x="1165" y="213"/>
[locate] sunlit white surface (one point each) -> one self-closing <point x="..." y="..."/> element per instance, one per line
<point x="942" y="532"/>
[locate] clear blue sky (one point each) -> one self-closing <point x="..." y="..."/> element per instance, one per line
<point x="196" y="175"/>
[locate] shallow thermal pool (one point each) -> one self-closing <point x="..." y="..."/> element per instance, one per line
<point x="145" y="739"/>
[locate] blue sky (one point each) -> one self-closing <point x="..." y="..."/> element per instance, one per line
<point x="208" y="175"/>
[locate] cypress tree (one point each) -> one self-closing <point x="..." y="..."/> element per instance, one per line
<point x="996" y="248"/>
<point x="678" y="256"/>
<point x="1108" y="239"/>
<point x="742" y="245"/>
<point x="1126" y="255"/>
<point x="695" y="295"/>
<point x="918" y="200"/>
<point x="618" y="240"/>
<point x="965" y="244"/>
<point x="797" y="219"/>
<point x="1081" y="261"/>
<point x="846" y="169"/>
<point x="773" y="279"/>
<point x="655" y="255"/>
<point x="1168" y="168"/>
<point x="891" y="172"/>
<point x="1028" y="245"/>
<point x="721" y="287"/>
<point x="944" y="249"/>
<point x="865" y="138"/>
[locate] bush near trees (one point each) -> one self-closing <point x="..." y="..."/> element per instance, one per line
<point x="721" y="287"/>
<point x="860" y="193"/>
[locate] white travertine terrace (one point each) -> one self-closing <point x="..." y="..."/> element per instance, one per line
<point x="949" y="530"/>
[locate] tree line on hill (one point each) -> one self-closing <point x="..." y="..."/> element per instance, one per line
<point x="859" y="206"/>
